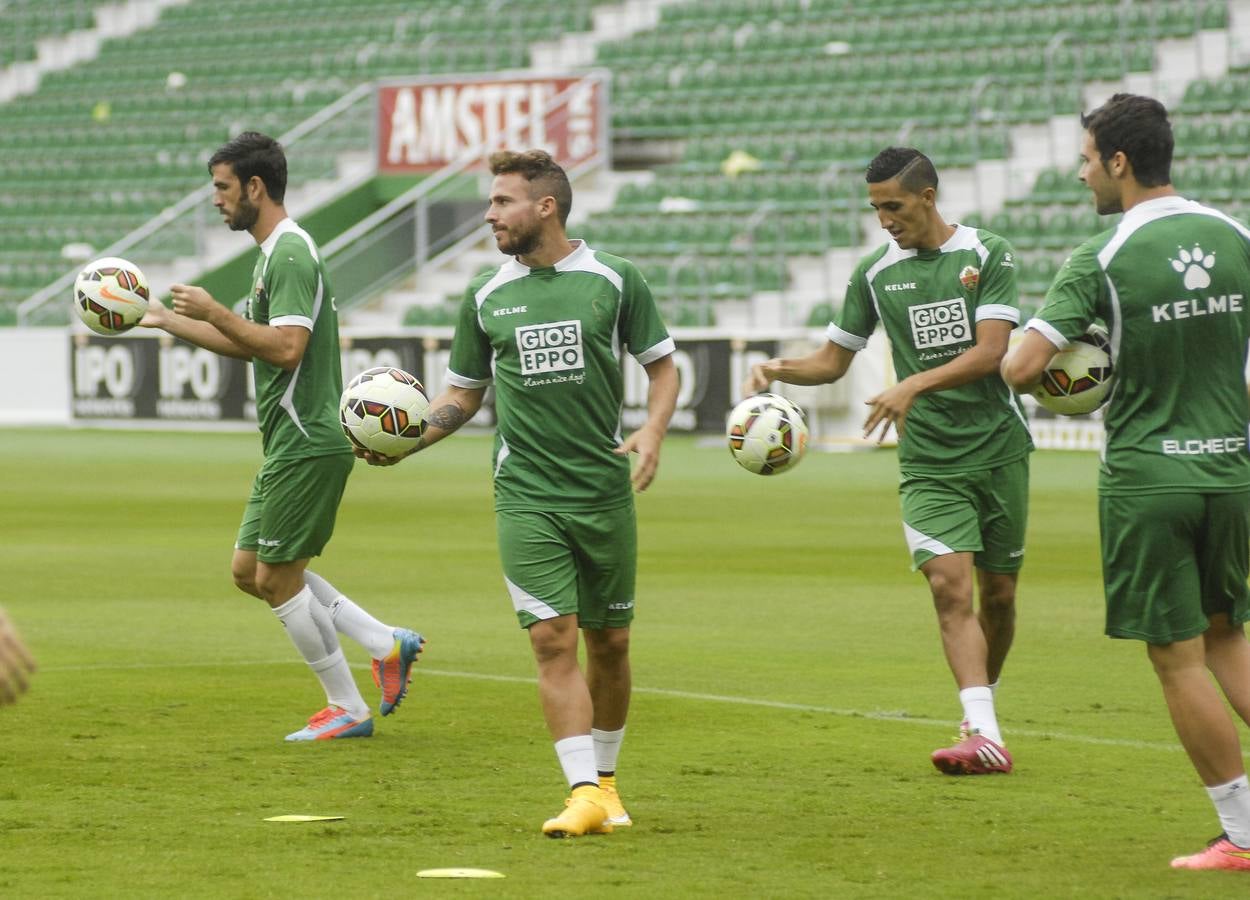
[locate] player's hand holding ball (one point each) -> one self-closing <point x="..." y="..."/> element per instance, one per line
<point x="382" y="412"/>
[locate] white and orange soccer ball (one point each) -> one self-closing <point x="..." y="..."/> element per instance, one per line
<point x="1079" y="378"/>
<point x="383" y="411"/>
<point x="767" y="434"/>
<point x="111" y="295"/>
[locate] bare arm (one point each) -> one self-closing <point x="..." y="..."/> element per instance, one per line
<point x="190" y="330"/>
<point x="823" y="366"/>
<point x="661" y="401"/>
<point x="282" y="346"/>
<point x="891" y="406"/>
<point x="448" y="411"/>
<point x="201" y="320"/>
<point x="1022" y="368"/>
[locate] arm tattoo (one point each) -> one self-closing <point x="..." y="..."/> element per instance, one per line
<point x="448" y="418"/>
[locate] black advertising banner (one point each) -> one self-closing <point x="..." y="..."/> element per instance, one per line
<point x="162" y="379"/>
<point x="155" y="379"/>
<point x="710" y="370"/>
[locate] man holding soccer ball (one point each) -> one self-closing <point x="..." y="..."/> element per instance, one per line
<point x="290" y="333"/>
<point x="1172" y="281"/>
<point x="547" y="329"/>
<point x="946" y="297"/>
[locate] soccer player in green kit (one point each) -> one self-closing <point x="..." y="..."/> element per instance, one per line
<point x="1172" y="283"/>
<point x="547" y="329"/>
<point x="290" y="333"/>
<point x="946" y="296"/>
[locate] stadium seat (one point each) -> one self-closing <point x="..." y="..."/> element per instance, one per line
<point x="115" y="119"/>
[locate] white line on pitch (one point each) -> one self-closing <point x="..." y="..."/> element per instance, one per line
<point x="875" y="715"/>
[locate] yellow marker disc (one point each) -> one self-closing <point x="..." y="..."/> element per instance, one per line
<point x="459" y="873"/>
<point x="304" y="818"/>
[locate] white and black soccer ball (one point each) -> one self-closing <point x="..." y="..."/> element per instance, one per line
<point x="1079" y="377"/>
<point x="767" y="434"/>
<point x="383" y="410"/>
<point x="111" y="295"/>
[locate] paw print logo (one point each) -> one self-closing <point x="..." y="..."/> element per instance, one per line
<point x="1195" y="264"/>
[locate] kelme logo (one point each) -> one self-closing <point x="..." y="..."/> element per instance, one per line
<point x="1195" y="264"/>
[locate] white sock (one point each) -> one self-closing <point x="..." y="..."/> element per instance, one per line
<point x="310" y="629"/>
<point x="1232" y="805"/>
<point x="340" y="687"/>
<point x="607" y="748"/>
<point x="994" y="688"/>
<point x="577" y="758"/>
<point x="978" y="703"/>
<point x="351" y="619"/>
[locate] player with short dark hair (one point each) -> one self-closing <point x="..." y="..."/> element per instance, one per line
<point x="1171" y="282"/>
<point x="290" y="333"/>
<point x="548" y="329"/>
<point x="254" y="155"/>
<point x="946" y="297"/>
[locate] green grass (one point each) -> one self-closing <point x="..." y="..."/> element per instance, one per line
<point x="790" y="687"/>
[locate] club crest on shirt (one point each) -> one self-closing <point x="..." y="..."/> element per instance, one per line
<point x="258" y="300"/>
<point x="970" y="277"/>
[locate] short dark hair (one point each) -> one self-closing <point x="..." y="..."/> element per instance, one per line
<point x="912" y="168"/>
<point x="253" y="154"/>
<point x="1139" y="128"/>
<point x="546" y="177"/>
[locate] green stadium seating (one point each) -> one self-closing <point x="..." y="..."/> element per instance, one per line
<point x="810" y="89"/>
<point x="103" y="146"/>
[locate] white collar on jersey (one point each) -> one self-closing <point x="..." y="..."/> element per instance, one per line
<point x="287" y="224"/>
<point x="1159" y="206"/>
<point x="568" y="261"/>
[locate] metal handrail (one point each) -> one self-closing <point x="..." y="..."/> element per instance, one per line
<point x="421" y="193"/>
<point x="189" y="203"/>
<point x="468" y="157"/>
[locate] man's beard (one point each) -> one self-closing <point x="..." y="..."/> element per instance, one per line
<point x="522" y="242"/>
<point x="244" y="217"/>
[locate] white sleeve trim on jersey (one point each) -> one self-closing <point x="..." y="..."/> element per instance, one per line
<point x="660" y="350"/>
<point x="998" y="311"/>
<point x="1046" y="330"/>
<point x="463" y="381"/>
<point x="845" y="339"/>
<point x="301" y="321"/>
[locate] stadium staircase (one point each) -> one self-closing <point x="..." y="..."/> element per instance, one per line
<point x="742" y="126"/>
<point x="93" y="150"/>
<point x="751" y="121"/>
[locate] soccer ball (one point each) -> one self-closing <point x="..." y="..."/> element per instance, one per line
<point x="1078" y="379"/>
<point x="767" y="434"/>
<point x="110" y="295"/>
<point x="383" y="410"/>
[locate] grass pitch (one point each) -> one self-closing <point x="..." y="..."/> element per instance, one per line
<point x="789" y="689"/>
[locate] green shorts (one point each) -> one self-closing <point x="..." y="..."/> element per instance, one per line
<point x="979" y="512"/>
<point x="290" y="513"/>
<point x="1169" y="561"/>
<point x="559" y="563"/>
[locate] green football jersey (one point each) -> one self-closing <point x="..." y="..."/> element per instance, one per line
<point x="298" y="410"/>
<point x="1171" y="283"/>
<point x="929" y="303"/>
<point x="550" y="340"/>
